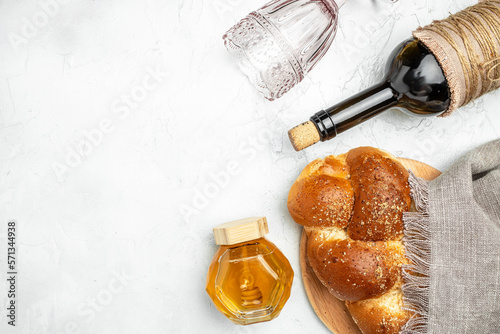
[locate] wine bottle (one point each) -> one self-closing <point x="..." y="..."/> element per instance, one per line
<point x="414" y="82"/>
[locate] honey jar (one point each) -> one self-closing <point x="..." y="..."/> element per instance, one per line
<point x="249" y="279"/>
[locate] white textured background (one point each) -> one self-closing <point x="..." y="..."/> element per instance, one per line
<point x="115" y="228"/>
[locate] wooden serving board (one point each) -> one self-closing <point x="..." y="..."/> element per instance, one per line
<point x="329" y="309"/>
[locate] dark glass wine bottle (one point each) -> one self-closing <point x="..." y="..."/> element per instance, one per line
<point x="414" y="81"/>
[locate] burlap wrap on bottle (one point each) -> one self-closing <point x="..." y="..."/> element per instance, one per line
<point x="467" y="46"/>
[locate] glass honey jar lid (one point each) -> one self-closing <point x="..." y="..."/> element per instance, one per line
<point x="241" y="230"/>
<point x="249" y="279"/>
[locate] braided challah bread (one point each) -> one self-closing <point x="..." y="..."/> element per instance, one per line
<point x="351" y="206"/>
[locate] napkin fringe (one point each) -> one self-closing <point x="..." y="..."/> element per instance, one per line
<point x="418" y="251"/>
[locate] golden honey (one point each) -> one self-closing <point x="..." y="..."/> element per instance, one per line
<point x="249" y="281"/>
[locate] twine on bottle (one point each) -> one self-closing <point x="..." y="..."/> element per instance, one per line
<point x="493" y="69"/>
<point x="473" y="38"/>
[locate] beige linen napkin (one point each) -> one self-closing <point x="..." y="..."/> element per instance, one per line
<point x="454" y="243"/>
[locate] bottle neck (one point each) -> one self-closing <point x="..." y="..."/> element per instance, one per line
<point x="355" y="110"/>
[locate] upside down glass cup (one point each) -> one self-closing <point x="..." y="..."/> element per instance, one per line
<point x="278" y="44"/>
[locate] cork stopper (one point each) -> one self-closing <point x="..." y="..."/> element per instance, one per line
<point x="240" y="231"/>
<point x="303" y="135"/>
